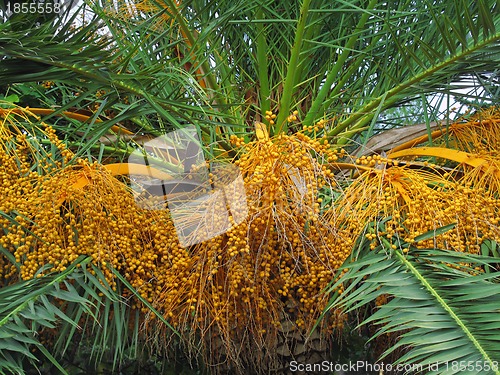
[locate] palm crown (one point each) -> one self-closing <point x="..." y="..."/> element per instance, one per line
<point x="287" y="91"/>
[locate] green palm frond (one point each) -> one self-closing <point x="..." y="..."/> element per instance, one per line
<point x="28" y="307"/>
<point x="221" y="65"/>
<point x="57" y="315"/>
<point x="434" y="298"/>
<point x="130" y="79"/>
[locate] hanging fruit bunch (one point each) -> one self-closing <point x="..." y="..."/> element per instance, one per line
<point x="261" y="283"/>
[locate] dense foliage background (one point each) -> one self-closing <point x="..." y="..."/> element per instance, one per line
<point x="324" y="106"/>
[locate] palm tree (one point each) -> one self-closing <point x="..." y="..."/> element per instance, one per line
<point x="277" y="87"/>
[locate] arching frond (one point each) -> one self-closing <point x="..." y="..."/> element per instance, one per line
<point x="433" y="298"/>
